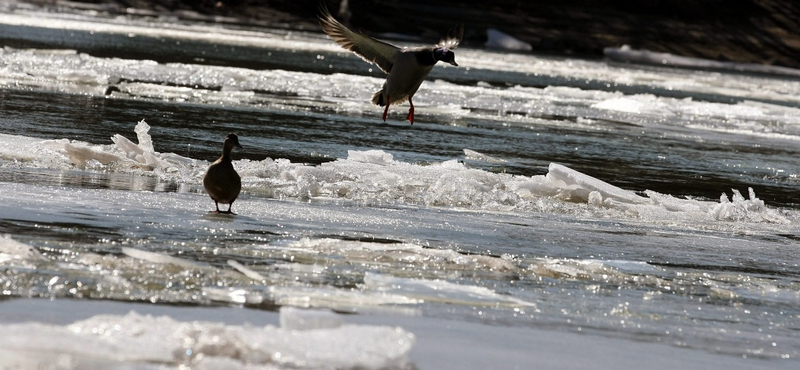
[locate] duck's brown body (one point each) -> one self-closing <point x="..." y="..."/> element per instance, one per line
<point x="221" y="181"/>
<point x="406" y="67"/>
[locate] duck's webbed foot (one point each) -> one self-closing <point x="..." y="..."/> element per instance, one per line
<point x="410" y="116"/>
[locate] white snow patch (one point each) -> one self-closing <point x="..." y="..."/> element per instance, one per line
<point x="477" y="156"/>
<point x="442" y="291"/>
<point x="14" y="251"/>
<point x="626" y="53"/>
<point x="572" y="183"/>
<point x="307" y="340"/>
<point x="400" y="252"/>
<point x="159" y="258"/>
<point x="503" y="41"/>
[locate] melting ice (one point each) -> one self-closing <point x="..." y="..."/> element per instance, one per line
<point x="373" y="232"/>
<point x="305" y="340"/>
<point x="375" y="177"/>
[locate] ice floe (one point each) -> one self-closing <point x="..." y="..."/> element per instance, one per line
<point x="375" y="177"/>
<point x="56" y="70"/>
<point x="12" y="251"/>
<point x="627" y="54"/>
<point x="497" y="39"/>
<point x="305" y="340"/>
<point x="441" y="291"/>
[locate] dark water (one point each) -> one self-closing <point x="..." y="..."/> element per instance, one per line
<point x="628" y="156"/>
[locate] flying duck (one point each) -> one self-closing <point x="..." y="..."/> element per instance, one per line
<point x="407" y="67"/>
<point x="221" y="181"/>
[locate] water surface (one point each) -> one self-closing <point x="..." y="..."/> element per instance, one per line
<point x="618" y="201"/>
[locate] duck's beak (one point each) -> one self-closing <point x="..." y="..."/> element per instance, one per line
<point x="453" y="62"/>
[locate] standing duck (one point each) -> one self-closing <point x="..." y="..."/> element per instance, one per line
<point x="407" y="67"/>
<point x="221" y="181"/>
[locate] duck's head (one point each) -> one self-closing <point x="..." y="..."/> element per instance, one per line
<point x="445" y="55"/>
<point x="232" y="141"/>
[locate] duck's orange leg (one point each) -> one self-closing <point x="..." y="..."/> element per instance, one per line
<point x="229" y="209"/>
<point x="410" y="116"/>
<point x="386" y="110"/>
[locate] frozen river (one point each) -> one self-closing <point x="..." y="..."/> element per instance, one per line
<point x="541" y="212"/>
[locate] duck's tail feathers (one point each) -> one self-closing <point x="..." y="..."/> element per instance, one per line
<point x="379" y="99"/>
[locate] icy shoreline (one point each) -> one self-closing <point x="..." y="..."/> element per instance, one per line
<point x="439" y="343"/>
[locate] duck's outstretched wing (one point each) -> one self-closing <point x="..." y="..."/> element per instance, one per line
<point x="453" y="38"/>
<point x="370" y="49"/>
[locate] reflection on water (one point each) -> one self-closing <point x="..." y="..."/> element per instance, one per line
<point x="90" y="180"/>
